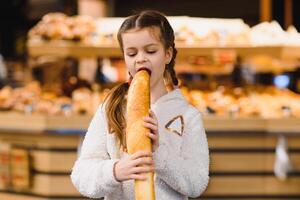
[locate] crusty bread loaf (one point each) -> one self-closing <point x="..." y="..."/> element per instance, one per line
<point x="138" y="104"/>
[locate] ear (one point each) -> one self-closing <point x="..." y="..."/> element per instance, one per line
<point x="169" y="55"/>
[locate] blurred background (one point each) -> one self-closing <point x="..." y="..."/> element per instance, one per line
<point x="238" y="63"/>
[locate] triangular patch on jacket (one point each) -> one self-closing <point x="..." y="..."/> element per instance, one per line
<point x="176" y="125"/>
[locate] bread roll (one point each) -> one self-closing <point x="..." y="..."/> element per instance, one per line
<point x="138" y="104"/>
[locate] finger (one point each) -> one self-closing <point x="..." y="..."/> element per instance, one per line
<point x="150" y="120"/>
<point x="143" y="169"/>
<point x="151" y="126"/>
<point x="143" y="161"/>
<point x="140" y="154"/>
<point x="153" y="136"/>
<point x="138" y="177"/>
<point x="152" y="114"/>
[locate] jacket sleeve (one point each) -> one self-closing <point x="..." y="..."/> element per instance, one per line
<point x="186" y="173"/>
<point x="92" y="173"/>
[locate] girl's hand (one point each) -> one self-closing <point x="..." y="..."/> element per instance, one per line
<point x="151" y="123"/>
<point x="132" y="166"/>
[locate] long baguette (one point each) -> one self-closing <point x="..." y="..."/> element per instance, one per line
<point x="138" y="104"/>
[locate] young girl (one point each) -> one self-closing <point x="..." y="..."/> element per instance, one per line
<point x="180" y="152"/>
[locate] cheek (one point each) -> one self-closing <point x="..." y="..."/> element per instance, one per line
<point x="129" y="65"/>
<point x="159" y="67"/>
<point x="158" y="73"/>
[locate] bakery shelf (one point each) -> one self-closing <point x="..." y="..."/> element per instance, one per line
<point x="38" y="123"/>
<point x="63" y="48"/>
<point x="226" y="123"/>
<point x="244" y="51"/>
<point x="252" y="124"/>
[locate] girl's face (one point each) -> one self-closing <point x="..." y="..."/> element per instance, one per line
<point x="143" y="49"/>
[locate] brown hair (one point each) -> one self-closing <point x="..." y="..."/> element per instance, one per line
<point x="116" y="101"/>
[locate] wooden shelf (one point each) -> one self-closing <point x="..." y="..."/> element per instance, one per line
<point x="223" y="123"/>
<point x="63" y="49"/>
<point x="274" y="126"/>
<point x="37" y="123"/>
<point x="207" y="69"/>
<point x="275" y="51"/>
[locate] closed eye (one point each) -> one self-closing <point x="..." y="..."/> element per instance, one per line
<point x="131" y="54"/>
<point x="151" y="52"/>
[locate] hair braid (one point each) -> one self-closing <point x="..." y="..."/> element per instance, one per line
<point x="171" y="65"/>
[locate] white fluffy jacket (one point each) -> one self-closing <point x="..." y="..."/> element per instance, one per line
<point x="181" y="161"/>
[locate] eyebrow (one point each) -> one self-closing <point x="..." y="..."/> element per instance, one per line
<point x="151" y="44"/>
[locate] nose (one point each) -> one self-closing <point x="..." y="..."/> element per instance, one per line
<point x="141" y="58"/>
